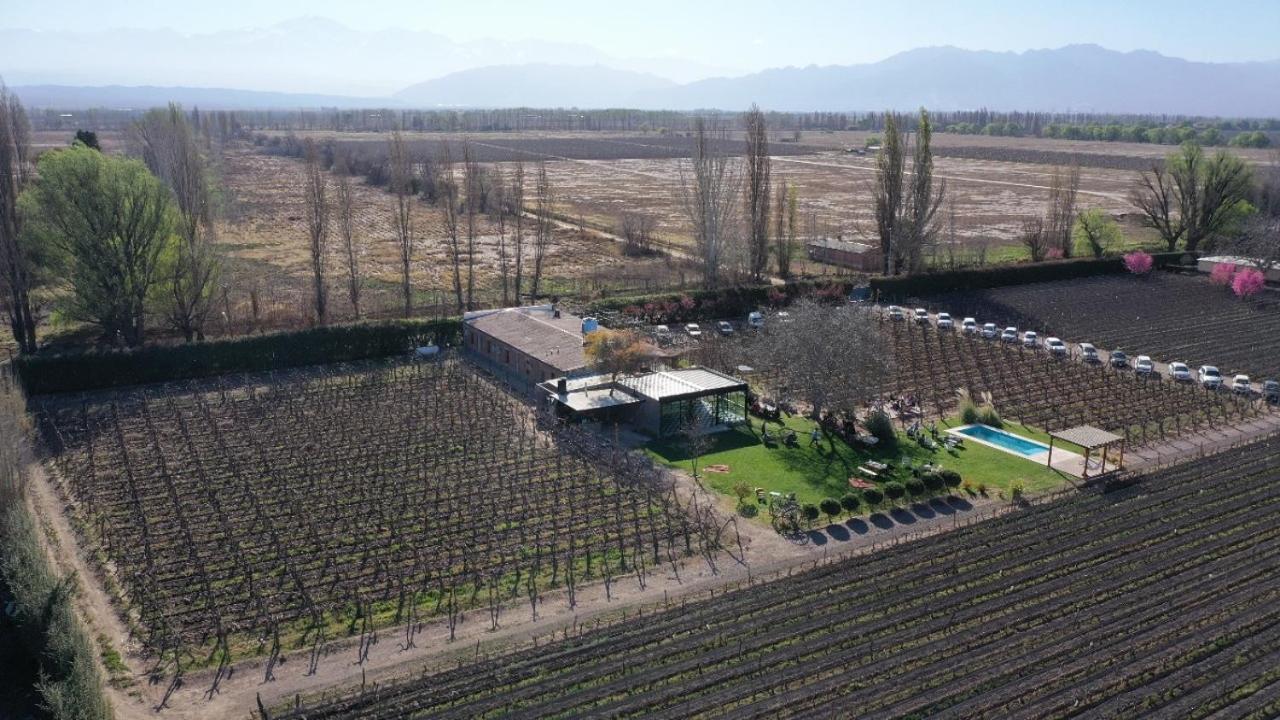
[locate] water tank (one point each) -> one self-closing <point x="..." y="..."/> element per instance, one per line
<point x="590" y="325"/>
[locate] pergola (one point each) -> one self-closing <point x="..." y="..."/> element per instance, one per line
<point x="1090" y="438"/>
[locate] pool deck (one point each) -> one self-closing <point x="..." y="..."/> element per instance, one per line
<point x="1064" y="461"/>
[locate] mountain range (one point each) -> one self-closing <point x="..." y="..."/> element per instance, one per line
<point x="1078" y="78"/>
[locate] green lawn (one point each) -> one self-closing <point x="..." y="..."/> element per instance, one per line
<point x="813" y="473"/>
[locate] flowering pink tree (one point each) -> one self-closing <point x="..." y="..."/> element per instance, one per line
<point x="1055" y="254"/>
<point x="1222" y="274"/>
<point x="1248" y="282"/>
<point x="1139" y="262"/>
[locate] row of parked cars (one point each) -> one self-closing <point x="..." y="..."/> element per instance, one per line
<point x="1207" y="376"/>
<point x="755" y="321"/>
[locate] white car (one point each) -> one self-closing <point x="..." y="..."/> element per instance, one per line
<point x="1179" y="372"/>
<point x="662" y="332"/>
<point x="1010" y="335"/>
<point x="755" y="320"/>
<point x="990" y="331"/>
<point x="783" y="316"/>
<point x="945" y="322"/>
<point x="895" y="313"/>
<point x="1209" y="377"/>
<point x="724" y="327"/>
<point x="693" y="330"/>
<point x="1089" y="353"/>
<point x="922" y="316"/>
<point x="1056" y="347"/>
<point x="1240" y="384"/>
<point x="1030" y="339"/>
<point x="969" y="326"/>
<point x="1144" y="365"/>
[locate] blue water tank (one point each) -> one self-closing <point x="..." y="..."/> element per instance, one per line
<point x="590" y="325"/>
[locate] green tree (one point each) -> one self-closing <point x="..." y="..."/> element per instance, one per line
<point x="88" y="138"/>
<point x="1097" y="231"/>
<point x="894" y="490"/>
<point x="1194" y="199"/>
<point x="873" y="497"/>
<point x="810" y="512"/>
<point x="830" y="507"/>
<point x="19" y="265"/>
<point x="850" y="503"/>
<point x="109" y="225"/>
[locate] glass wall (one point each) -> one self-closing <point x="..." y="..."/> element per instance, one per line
<point x="708" y="411"/>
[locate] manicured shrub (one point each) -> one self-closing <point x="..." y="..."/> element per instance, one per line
<point x="1248" y="282"/>
<point x="748" y="510"/>
<point x="810" y="512"/>
<point x="915" y="486"/>
<point x="830" y="507"/>
<point x="850" y="503"/>
<point x="933" y="481"/>
<point x="894" y="490"/>
<point x="1139" y="262"/>
<point x="880" y="425"/>
<point x="872" y="497"/>
<point x="951" y="478"/>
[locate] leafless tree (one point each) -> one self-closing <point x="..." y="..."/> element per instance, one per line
<point x="448" y="204"/>
<point x="17" y="266"/>
<point x="498" y="213"/>
<point x="636" y="231"/>
<point x="347" y="231"/>
<point x="801" y="355"/>
<point x="757" y="193"/>
<point x="517" y="209"/>
<point x="709" y="184"/>
<point x="544" y="225"/>
<point x="1191" y="198"/>
<point x="887" y="193"/>
<point x="315" y="196"/>
<point x="781" y="247"/>
<point x="401" y="182"/>
<point x="1061" y="218"/>
<point x="171" y="149"/>
<point x="1035" y="238"/>
<point x="473" y="179"/>
<point x="924" y="198"/>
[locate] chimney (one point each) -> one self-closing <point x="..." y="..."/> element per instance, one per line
<point x="562" y="386"/>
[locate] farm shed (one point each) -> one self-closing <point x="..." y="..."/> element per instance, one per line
<point x="526" y="345"/>
<point x="1207" y="264"/>
<point x="845" y="253"/>
<point x="657" y="403"/>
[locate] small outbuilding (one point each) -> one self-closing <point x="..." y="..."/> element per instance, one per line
<point x="862" y="257"/>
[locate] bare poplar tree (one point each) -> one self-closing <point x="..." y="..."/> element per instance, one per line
<point x="347" y="231"/>
<point x="757" y="193"/>
<point x="887" y="193"/>
<point x="923" y="201"/>
<point x="1061" y="219"/>
<point x="517" y="208"/>
<point x="315" y="196"/>
<point x="17" y="266"/>
<point x="709" y="184"/>
<point x="171" y="149"/>
<point x="473" y="179"/>
<point x="781" y="248"/>
<point x="544" y="227"/>
<point x="498" y="211"/>
<point x="401" y="181"/>
<point x="448" y="203"/>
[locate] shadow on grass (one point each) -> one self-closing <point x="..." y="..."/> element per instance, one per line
<point x="881" y="521"/>
<point x="858" y="525"/>
<point x="675" y="449"/>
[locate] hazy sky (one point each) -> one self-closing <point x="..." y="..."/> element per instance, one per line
<point x="742" y="35"/>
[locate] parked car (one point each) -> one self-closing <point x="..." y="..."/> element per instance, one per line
<point x="969" y="326"/>
<point x="922" y="316"/>
<point x="1179" y="372"/>
<point x="1209" y="377"/>
<point x="1144" y="365"/>
<point x="1241" y="385"/>
<point x="1010" y="335"/>
<point x="1089" y="353"/>
<point x="662" y="332"/>
<point x="895" y="313"/>
<point x="1056" y="347"/>
<point x="1030" y="339"/>
<point x="724" y="327"/>
<point x="1119" y="359"/>
<point x="990" y="331"/>
<point x="783" y="316"/>
<point x="693" y="330"/>
<point x="755" y="320"/>
<point x="945" y="322"/>
<point x="1271" y="390"/>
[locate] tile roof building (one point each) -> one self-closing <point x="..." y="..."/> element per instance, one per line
<point x="527" y="344"/>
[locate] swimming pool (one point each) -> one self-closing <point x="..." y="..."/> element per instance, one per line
<point x="1004" y="440"/>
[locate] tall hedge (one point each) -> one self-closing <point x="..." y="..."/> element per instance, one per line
<point x="723" y="302"/>
<point x="907" y="286"/>
<point x="97" y="369"/>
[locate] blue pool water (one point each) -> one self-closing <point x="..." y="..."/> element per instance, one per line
<point x="1007" y="441"/>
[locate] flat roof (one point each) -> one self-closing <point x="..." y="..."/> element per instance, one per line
<point x="597" y="399"/>
<point x="1086" y="436"/>
<point x="535" y="331"/>
<point x="680" y="383"/>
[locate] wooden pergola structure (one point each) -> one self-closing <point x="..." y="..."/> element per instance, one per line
<point x="1090" y="438"/>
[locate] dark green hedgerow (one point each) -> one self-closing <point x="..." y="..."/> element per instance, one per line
<point x="93" y="370"/>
